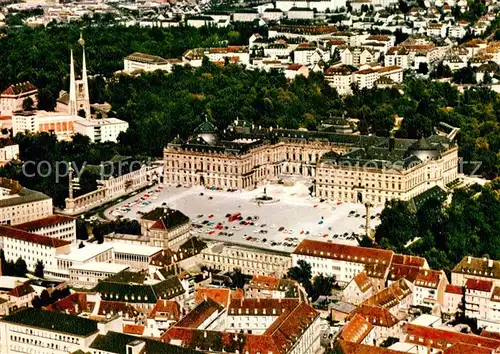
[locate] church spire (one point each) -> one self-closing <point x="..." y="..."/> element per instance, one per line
<point x="85" y="97"/>
<point x="72" y="86"/>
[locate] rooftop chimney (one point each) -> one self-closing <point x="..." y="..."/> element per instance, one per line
<point x="468" y="259"/>
<point x="392" y="142"/>
<point x="490" y="263"/>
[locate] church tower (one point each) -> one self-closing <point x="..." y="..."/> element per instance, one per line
<point x="79" y="98"/>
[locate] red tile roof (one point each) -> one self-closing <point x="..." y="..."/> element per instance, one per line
<point x="166" y="309"/>
<point x="356" y="330"/>
<point x="390" y="296"/>
<point x="264" y="282"/>
<point x="429" y="278"/>
<point x="363" y="282"/>
<point x="354" y="348"/>
<point x="294" y="67"/>
<point x="11" y="232"/>
<point x="454" y="289"/>
<point x="21" y="290"/>
<point x="74" y="304"/>
<point x="279" y="338"/>
<point x="461" y="348"/>
<point x="134" y="329"/>
<point x="18" y="89"/>
<point x="220" y="296"/>
<point x="199" y="314"/>
<point x="440" y="338"/>
<point x="44" y="222"/>
<point x="343" y="252"/>
<point x="376" y="315"/>
<point x="399" y="271"/>
<point x="479" y="285"/>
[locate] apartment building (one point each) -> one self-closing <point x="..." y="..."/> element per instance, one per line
<point x="100" y="130"/>
<point x="358" y="289"/>
<point x="19" y="205"/>
<point x="342" y="261"/>
<point x="249" y="325"/>
<point x="250" y="260"/>
<point x="429" y="287"/>
<point x="453" y="299"/>
<point x="476" y="268"/>
<point x="341" y="78"/>
<point x="31" y="247"/>
<point x="56" y="226"/>
<point x="32" y="330"/>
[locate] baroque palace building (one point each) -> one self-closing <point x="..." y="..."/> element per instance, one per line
<point x="347" y="168"/>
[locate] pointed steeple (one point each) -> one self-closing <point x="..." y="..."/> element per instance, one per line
<point x="72" y="86"/>
<point x="85" y="82"/>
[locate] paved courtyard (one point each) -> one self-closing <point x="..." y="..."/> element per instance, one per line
<point x="279" y="226"/>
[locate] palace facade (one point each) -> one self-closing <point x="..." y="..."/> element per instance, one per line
<point x="347" y="168"/>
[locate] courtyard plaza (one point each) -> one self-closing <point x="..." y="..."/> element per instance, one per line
<point x="279" y="224"/>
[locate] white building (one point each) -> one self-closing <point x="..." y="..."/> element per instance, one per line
<point x="453" y="299"/>
<point x="9" y="151"/>
<point x="147" y="62"/>
<point x="320" y="6"/>
<point x="39" y="331"/>
<point x="11" y="99"/>
<point x="342" y="261"/>
<point x="31" y="247"/>
<point x="476" y="268"/>
<point x="56" y="226"/>
<point x="61" y="124"/>
<point x="101" y="130"/>
<point x="138" y="257"/>
<point x="19" y="205"/>
<point x="366" y="78"/>
<point x="88" y="275"/>
<point x="477" y="298"/>
<point x="429" y="287"/>
<point x="341" y="78"/>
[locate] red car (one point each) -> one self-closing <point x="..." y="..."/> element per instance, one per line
<point x="211" y="216"/>
<point x="211" y="232"/>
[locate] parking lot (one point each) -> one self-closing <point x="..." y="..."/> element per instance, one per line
<point x="280" y="225"/>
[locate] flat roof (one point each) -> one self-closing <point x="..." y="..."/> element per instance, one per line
<point x="96" y="122"/>
<point x="142" y="250"/>
<point x="101" y="267"/>
<point x="8" y="282"/>
<point x="82" y="254"/>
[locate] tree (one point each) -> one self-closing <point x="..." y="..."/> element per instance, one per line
<point x="45" y="298"/>
<point x="302" y="274"/>
<point x="322" y="285"/>
<point x="238" y="279"/>
<point x="82" y="232"/>
<point x="464" y="76"/>
<point x="398" y="225"/>
<point x="28" y="104"/>
<point x="423" y="68"/>
<point x="487" y="79"/>
<point x="39" y="269"/>
<point x="20" y="268"/>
